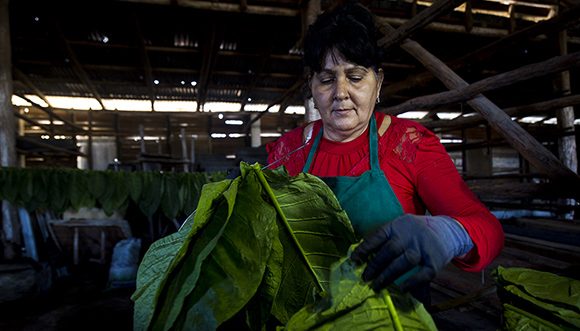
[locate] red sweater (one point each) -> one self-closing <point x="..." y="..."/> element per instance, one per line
<point x="419" y="170"/>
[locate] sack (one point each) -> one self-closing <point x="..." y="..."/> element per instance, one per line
<point x="124" y="263"/>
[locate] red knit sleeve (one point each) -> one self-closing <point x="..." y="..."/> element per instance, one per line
<point x="424" y="177"/>
<point x="444" y="192"/>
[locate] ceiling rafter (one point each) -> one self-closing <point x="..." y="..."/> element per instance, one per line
<point x="77" y="67"/>
<point x="144" y="58"/>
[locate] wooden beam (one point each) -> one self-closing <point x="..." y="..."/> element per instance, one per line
<point x="560" y="22"/>
<point x="555" y="64"/>
<point x="280" y="100"/>
<point x="49" y="146"/>
<point x="225" y="7"/>
<point x="19" y="75"/>
<point x="77" y="67"/>
<point x="144" y="58"/>
<point x="520" y="140"/>
<point x="253" y="79"/>
<point x="208" y="61"/>
<point x="518" y="111"/>
<point x="422" y="19"/>
<point x="50" y="112"/>
<point x="30" y="120"/>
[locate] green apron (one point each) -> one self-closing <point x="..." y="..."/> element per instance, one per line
<point x="368" y="199"/>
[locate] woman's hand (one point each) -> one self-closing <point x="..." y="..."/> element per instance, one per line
<point x="410" y="241"/>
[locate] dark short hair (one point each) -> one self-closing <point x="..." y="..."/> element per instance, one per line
<point x="350" y="29"/>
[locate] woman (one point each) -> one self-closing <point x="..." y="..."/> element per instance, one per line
<point x="385" y="171"/>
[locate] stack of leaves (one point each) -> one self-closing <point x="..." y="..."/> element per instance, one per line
<point x="353" y="305"/>
<point x="537" y="300"/>
<point x="257" y="250"/>
<point x="172" y="194"/>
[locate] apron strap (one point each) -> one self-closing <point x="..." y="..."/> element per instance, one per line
<point x="310" y="158"/>
<point x="373" y="147"/>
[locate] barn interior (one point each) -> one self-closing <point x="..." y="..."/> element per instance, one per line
<point x="194" y="87"/>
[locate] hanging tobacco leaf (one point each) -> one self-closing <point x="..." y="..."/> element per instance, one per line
<point x="135" y="182"/>
<point x="59" y="191"/>
<point x="40" y="190"/>
<point x="97" y="183"/>
<point x="80" y="196"/>
<point x="151" y="194"/>
<point x="172" y="198"/>
<point x="11" y="185"/>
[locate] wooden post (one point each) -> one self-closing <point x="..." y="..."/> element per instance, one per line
<point x="142" y="136"/>
<point x="566" y="142"/>
<point x="517" y="137"/>
<point x="118" y="143"/>
<point x="167" y="135"/>
<point x="183" y="149"/>
<point x="565" y="119"/>
<point x="7" y="120"/>
<point x="90" y="140"/>
<point x="312" y="11"/>
<point x="9" y="235"/>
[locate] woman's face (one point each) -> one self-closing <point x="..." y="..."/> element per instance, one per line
<point x="345" y="95"/>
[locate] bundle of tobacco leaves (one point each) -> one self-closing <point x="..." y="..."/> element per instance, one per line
<point x="259" y="250"/>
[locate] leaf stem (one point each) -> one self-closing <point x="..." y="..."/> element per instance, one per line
<point x="393" y="312"/>
<point x="272" y="196"/>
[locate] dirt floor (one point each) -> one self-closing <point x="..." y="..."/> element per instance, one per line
<point x="83" y="301"/>
<point x="79" y="301"/>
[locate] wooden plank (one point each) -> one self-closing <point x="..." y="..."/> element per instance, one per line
<point x="517" y="111"/>
<point x="466" y="92"/>
<point x="50" y="112"/>
<point x="226" y="7"/>
<point x="547" y="245"/>
<point x="521" y="140"/>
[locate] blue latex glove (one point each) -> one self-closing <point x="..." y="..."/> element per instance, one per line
<point x="424" y="243"/>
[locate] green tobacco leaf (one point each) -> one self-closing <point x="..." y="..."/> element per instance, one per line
<point x="40" y="190"/>
<point x="259" y="247"/>
<point x="11" y="185"/>
<point x="167" y="252"/>
<point x="171" y="202"/>
<point x="80" y="196"/>
<point x="59" y="191"/>
<point x="315" y="232"/>
<point x="515" y="319"/>
<point x="151" y="193"/>
<point x="235" y="267"/>
<point x="353" y="305"/>
<point x="25" y="188"/>
<point x="117" y="193"/>
<point x="3" y="181"/>
<point x="135" y="181"/>
<point x="97" y="183"/>
<point x="547" y="295"/>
